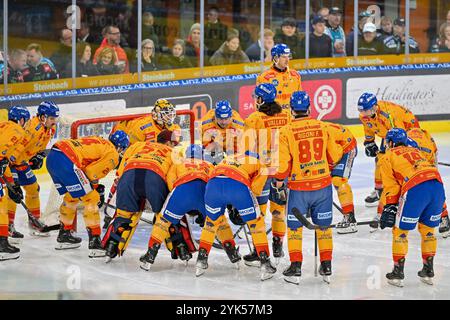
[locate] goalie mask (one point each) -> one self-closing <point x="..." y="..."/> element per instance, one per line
<point x="164" y="113"/>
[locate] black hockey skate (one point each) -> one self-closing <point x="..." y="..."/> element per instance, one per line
<point x="397" y="275"/>
<point x="252" y="259"/>
<point x="347" y="225"/>
<point x="7" y="251"/>
<point x="427" y="273"/>
<point x="34" y="230"/>
<point x="373" y="199"/>
<point x="202" y="262"/>
<point x="293" y="273"/>
<point x="66" y="240"/>
<point x="267" y="268"/>
<point x="232" y="253"/>
<point x="277" y="247"/>
<point x="149" y="257"/>
<point x="183" y="253"/>
<point x="15" y="237"/>
<point x="325" y="270"/>
<point x="95" y="246"/>
<point x="375" y="224"/>
<point x="111" y="250"/>
<point x="444" y="227"/>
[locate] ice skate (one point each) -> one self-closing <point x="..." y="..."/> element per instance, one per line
<point x="15" y="237"/>
<point x="34" y="231"/>
<point x="347" y="225"/>
<point x="7" y="251"/>
<point x="233" y="254"/>
<point x="325" y="270"/>
<point x="373" y="199"/>
<point x="444" y="227"/>
<point x="66" y="240"/>
<point x="149" y="257"/>
<point x="397" y="276"/>
<point x="277" y="247"/>
<point x="293" y="273"/>
<point x="426" y="275"/>
<point x="252" y="259"/>
<point x="267" y="268"/>
<point x="202" y="262"/>
<point x="375" y="224"/>
<point x="95" y="247"/>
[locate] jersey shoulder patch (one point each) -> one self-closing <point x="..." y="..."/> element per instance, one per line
<point x="145" y="126"/>
<point x="238" y="122"/>
<point x="207" y="121"/>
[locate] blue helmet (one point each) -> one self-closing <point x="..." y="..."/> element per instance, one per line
<point x="18" y="112"/>
<point x="366" y="101"/>
<point x="279" y="50"/>
<point x="120" y="139"/>
<point x="223" y="109"/>
<point x="48" y="109"/>
<point x="396" y="135"/>
<point x="194" y="151"/>
<point x="411" y="143"/>
<point x="300" y="101"/>
<point x="266" y="91"/>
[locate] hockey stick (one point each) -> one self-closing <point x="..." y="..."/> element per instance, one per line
<point x="42" y="227"/>
<point x="444" y="164"/>
<point x="107" y="205"/>
<point x="315" y="255"/>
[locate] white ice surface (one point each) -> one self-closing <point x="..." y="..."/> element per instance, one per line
<point x="360" y="262"/>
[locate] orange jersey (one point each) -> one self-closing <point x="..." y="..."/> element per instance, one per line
<point x="35" y="140"/>
<point x="389" y="115"/>
<point x="228" y="137"/>
<point x="95" y="156"/>
<point x="286" y="82"/>
<point x="147" y="155"/>
<point x="12" y="135"/>
<point x="245" y="169"/>
<point x="343" y="136"/>
<point x="142" y="129"/>
<point x="426" y="143"/>
<point x="307" y="149"/>
<point x="188" y="170"/>
<point x="403" y="168"/>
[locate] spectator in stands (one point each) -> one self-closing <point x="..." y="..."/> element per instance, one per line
<point x="84" y="33"/>
<point x="62" y="57"/>
<point x="193" y="46"/>
<point x="395" y="44"/>
<point x="245" y="37"/>
<point x="363" y="18"/>
<point x="448" y="16"/>
<point x="107" y="62"/>
<point x="215" y="31"/>
<point x="254" y="51"/>
<point x="387" y="27"/>
<point x="148" y="29"/>
<point x="177" y="60"/>
<point x="85" y="67"/>
<point x="148" y="56"/>
<point x="38" y="68"/>
<point x="319" y="42"/>
<point x="230" y="51"/>
<point x="97" y="18"/>
<point x="335" y="32"/>
<point x="112" y="40"/>
<point x="368" y="43"/>
<point x="444" y="37"/>
<point x="324" y="12"/>
<point x="289" y="36"/>
<point x="17" y="61"/>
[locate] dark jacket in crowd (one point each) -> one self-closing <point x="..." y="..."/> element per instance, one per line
<point x="224" y="56"/>
<point x="394" y="45"/>
<point x="14" y="76"/>
<point x="349" y="42"/>
<point x="253" y="52"/>
<point x="45" y="70"/>
<point x="104" y="69"/>
<point x="376" y="47"/>
<point x="62" y="59"/>
<point x="193" y="54"/>
<point x="320" y="47"/>
<point x="295" y="43"/>
<point x="215" y="35"/>
<point x="172" y="62"/>
<point x="87" y="69"/>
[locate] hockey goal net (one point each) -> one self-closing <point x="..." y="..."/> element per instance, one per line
<point x="100" y="124"/>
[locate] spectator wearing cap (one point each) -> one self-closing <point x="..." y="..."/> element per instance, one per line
<point x="62" y="57"/>
<point x="319" y="42"/>
<point x="335" y="32"/>
<point x="215" y="31"/>
<point x="253" y="52"/>
<point x="387" y="27"/>
<point x="395" y="44"/>
<point x="290" y="36"/>
<point x="229" y="52"/>
<point x="368" y="43"/>
<point x="324" y="12"/>
<point x="363" y="18"/>
<point x="193" y="46"/>
<point x="112" y="40"/>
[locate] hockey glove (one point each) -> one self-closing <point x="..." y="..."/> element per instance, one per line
<point x="234" y="216"/>
<point x="388" y="216"/>
<point x="37" y="161"/>
<point x="15" y="193"/>
<point x="371" y="149"/>
<point x="278" y="195"/>
<point x="101" y="191"/>
<point x="3" y="165"/>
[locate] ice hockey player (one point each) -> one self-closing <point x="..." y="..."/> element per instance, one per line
<point x="76" y="167"/>
<point x="264" y="125"/>
<point x="142" y="176"/>
<point x="147" y="128"/>
<point x="286" y="81"/>
<point x="235" y="181"/>
<point x="413" y="194"/>
<point x="421" y="139"/>
<point x="13" y="133"/>
<point x="186" y="180"/>
<point x="305" y="147"/>
<point x="378" y="117"/>
<point x="221" y="129"/>
<point x="340" y="174"/>
<point x="38" y="134"/>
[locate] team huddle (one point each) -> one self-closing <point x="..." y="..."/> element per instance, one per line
<point x="278" y="160"/>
